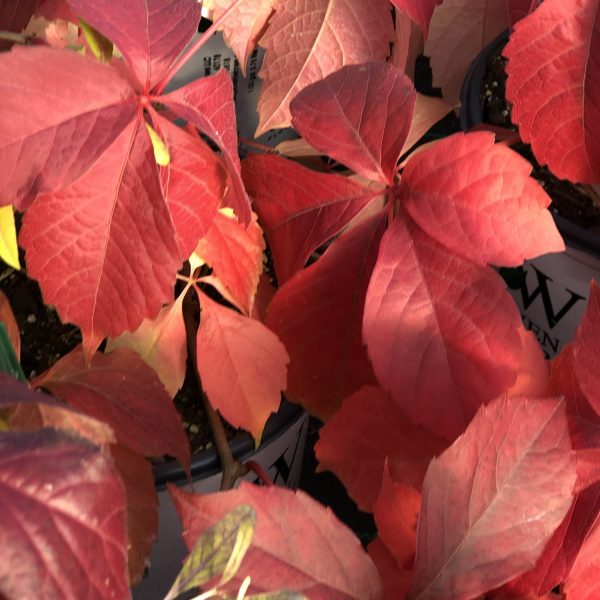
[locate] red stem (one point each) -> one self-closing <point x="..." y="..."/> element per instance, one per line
<point x="159" y="88"/>
<point x="253" y="466"/>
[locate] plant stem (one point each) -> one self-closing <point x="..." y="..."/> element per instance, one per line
<point x="18" y="38"/>
<point x="232" y="469"/>
<point x="159" y="88"/>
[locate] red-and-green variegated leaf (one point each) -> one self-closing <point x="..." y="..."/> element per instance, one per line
<point x="429" y="311"/>
<point x="7" y="318"/>
<point x="142" y="508"/>
<point x="359" y="115"/>
<point x="242" y="365"/>
<point x="476" y="198"/>
<point x="583" y="583"/>
<point x="309" y="39"/>
<point x="420" y="11"/>
<point x="318" y="316"/>
<point x="458" y="30"/>
<point x="243" y="25"/>
<point x="508" y="480"/>
<point x="300" y="209"/>
<point x="207" y="103"/>
<point x="235" y="253"/>
<point x="346" y="446"/>
<point x="396" y="581"/>
<point x="150" y="34"/>
<point x="122" y="390"/>
<point x="194" y="183"/>
<point x="49" y="139"/>
<point x="64" y="510"/>
<point x="161" y="342"/>
<point x="396" y="513"/>
<point x="586" y="356"/>
<point x="103" y="249"/>
<point x="298" y="544"/>
<point x="554" y="85"/>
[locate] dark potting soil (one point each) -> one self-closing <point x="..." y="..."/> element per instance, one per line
<point x="45" y="339"/>
<point x="576" y="203"/>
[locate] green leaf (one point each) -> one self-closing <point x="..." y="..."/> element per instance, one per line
<point x="219" y="550"/>
<point x="9" y="363"/>
<point x="101" y="47"/>
<point x="161" y="152"/>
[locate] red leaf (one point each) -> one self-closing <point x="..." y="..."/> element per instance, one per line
<point x="583" y="582"/>
<point x="420" y="11"/>
<point x="396" y="513"/>
<point x="207" y="104"/>
<point x="586" y="359"/>
<point x="114" y="238"/>
<point x="243" y="26"/>
<point x="297" y="544"/>
<point x="161" y="343"/>
<point x="300" y="209"/>
<point x="477" y="198"/>
<point x="458" y="31"/>
<point x="344" y="117"/>
<point x="508" y="480"/>
<point x="396" y="581"/>
<point x="429" y="311"/>
<point x="309" y="39"/>
<point x="122" y="390"/>
<point x="63" y="508"/>
<point x="428" y="111"/>
<point x="56" y="9"/>
<point x="553" y="85"/>
<point x="85" y="105"/>
<point x="194" y="184"/>
<point x="242" y="365"/>
<point x="142" y="508"/>
<point x="14" y="392"/>
<point x="149" y="33"/>
<point x="7" y="318"/>
<point x="533" y="378"/>
<point x="346" y="446"/>
<point x="235" y="253"/>
<point x="318" y="317"/>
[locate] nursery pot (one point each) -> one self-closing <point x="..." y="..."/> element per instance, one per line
<point x="280" y="454"/>
<point x="551" y="291"/>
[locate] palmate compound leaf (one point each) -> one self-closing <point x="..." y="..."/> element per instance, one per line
<point x="346" y="446"/>
<point x="476" y="198"/>
<point x="430" y="311"/>
<point x="114" y="211"/>
<point x="242" y="365"/>
<point x="64" y="510"/>
<point x="458" y="31"/>
<point x="122" y="390"/>
<point x="298" y="544"/>
<point x="235" y="253"/>
<point x="554" y="86"/>
<point x="218" y="551"/>
<point x="308" y="39"/>
<point x="318" y="316"/>
<point x="48" y="140"/>
<point x="360" y="115"/>
<point x="300" y="209"/>
<point x="149" y="33"/>
<point x="493" y="500"/>
<point x="243" y="25"/>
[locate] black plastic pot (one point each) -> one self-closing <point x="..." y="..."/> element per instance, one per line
<point x="550" y="291"/>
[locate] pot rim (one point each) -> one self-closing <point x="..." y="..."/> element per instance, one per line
<point x="206" y="463"/>
<point x="471" y="114"/>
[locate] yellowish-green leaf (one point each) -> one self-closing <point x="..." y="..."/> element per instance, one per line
<point x="101" y="47"/>
<point x="161" y="152"/>
<point x="282" y="595"/>
<point x="9" y="251"/>
<point x="219" y="550"/>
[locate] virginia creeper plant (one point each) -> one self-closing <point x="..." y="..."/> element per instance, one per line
<point x="479" y="459"/>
